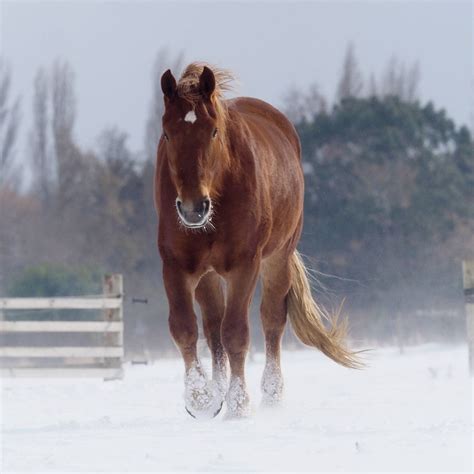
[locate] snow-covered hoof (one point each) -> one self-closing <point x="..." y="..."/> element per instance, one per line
<point x="238" y="402"/>
<point x="272" y="386"/>
<point x="220" y="379"/>
<point x="204" y="416"/>
<point x="203" y="398"/>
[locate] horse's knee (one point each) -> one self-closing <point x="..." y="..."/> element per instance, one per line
<point x="235" y="334"/>
<point x="183" y="329"/>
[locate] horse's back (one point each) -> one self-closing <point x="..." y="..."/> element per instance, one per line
<point x="277" y="156"/>
<point x="260" y="113"/>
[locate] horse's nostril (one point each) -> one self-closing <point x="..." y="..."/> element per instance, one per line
<point x="178" y="205"/>
<point x="202" y="208"/>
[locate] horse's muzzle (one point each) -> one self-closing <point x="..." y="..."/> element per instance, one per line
<point x="194" y="214"/>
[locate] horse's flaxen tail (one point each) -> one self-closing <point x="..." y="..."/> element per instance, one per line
<point x="307" y="319"/>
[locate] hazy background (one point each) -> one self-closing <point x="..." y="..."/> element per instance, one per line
<point x="381" y="96"/>
<point x="270" y="46"/>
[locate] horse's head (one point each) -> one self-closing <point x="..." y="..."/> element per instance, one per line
<point x="194" y="137"/>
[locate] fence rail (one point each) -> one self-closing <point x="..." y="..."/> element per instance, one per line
<point x="61" y="303"/>
<point x="82" y="360"/>
<point x="60" y="326"/>
<point x="61" y="351"/>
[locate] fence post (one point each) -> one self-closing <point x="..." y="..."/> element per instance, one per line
<point x="112" y="286"/>
<point x="468" y="280"/>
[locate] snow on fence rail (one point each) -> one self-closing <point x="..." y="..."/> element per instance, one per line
<point x="468" y="279"/>
<point x="74" y="361"/>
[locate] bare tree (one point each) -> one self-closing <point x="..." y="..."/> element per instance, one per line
<point x="9" y="123"/>
<point x="40" y="152"/>
<point x="401" y="80"/>
<point x="412" y="82"/>
<point x="113" y="146"/>
<point x="350" y="83"/>
<point x="390" y="79"/>
<point x="303" y="105"/>
<point x="63" y="118"/>
<point x="64" y="103"/>
<point x="163" y="61"/>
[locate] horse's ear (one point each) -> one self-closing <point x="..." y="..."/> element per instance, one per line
<point x="168" y="84"/>
<point x="207" y="82"/>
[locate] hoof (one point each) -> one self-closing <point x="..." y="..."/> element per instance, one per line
<point x="238" y="402"/>
<point x="200" y="415"/>
<point x="272" y="386"/>
<point x="203" y="399"/>
<point x="271" y="401"/>
<point x="272" y="398"/>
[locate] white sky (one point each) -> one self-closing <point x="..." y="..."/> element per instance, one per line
<point x="269" y="45"/>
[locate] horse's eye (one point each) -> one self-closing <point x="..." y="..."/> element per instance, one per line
<point x="214" y="133"/>
<point x="165" y="135"/>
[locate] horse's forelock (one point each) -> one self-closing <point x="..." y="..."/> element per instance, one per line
<point x="188" y="84"/>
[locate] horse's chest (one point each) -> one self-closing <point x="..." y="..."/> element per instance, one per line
<point x="219" y="255"/>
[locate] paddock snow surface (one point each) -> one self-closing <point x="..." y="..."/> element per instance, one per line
<point x="406" y="412"/>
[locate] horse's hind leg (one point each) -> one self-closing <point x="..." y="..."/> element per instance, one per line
<point x="275" y="287"/>
<point x="211" y="299"/>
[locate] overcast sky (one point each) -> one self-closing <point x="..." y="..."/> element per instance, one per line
<point x="269" y="45"/>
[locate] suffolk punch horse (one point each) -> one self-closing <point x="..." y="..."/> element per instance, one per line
<point x="229" y="196"/>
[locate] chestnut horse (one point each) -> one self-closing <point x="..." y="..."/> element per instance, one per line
<point x="229" y="195"/>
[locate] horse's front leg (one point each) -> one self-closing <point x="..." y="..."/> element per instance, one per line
<point x="235" y="334"/>
<point x="202" y="397"/>
<point x="211" y="298"/>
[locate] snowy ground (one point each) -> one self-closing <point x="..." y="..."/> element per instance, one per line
<point x="410" y="412"/>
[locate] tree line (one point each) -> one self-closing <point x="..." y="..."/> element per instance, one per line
<point x="388" y="207"/>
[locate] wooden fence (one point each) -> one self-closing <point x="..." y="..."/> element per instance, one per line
<point x="103" y="360"/>
<point x="468" y="278"/>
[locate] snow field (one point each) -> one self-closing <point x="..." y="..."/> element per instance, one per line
<point x="406" y="412"/>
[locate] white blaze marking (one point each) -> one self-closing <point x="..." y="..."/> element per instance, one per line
<point x="190" y="117"/>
